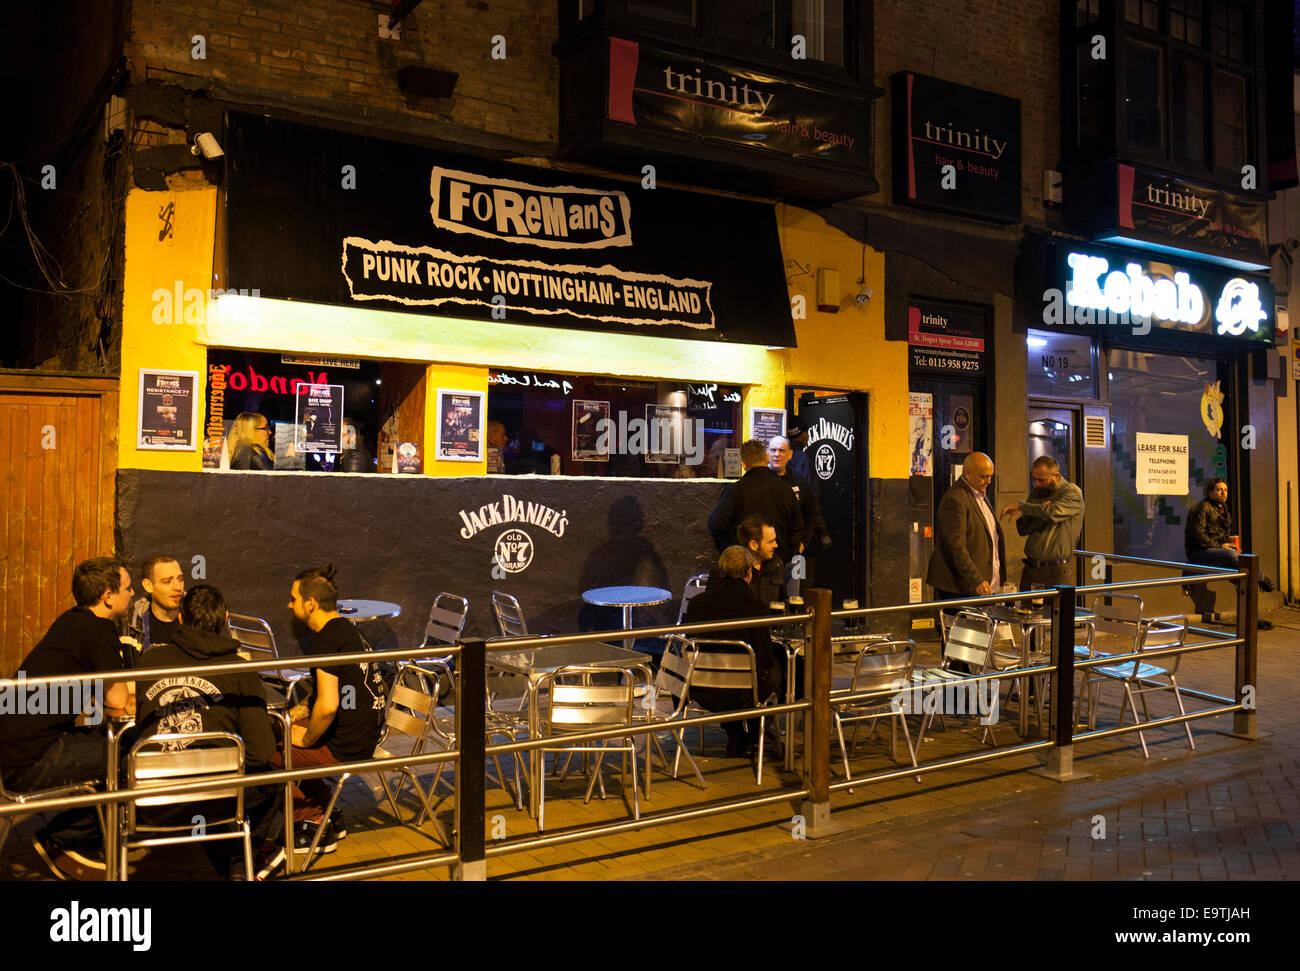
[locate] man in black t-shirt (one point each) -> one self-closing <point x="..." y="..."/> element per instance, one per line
<point x="159" y="614"/>
<point x="47" y="749"/>
<point x="342" y="723"/>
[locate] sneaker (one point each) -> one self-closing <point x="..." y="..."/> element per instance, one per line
<point x="305" y="832"/>
<point x="336" y="822"/>
<point x="67" y="863"/>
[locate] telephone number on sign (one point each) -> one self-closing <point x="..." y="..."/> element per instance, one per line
<point x="947" y="363"/>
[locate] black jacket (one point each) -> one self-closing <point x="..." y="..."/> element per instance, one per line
<point x="1208" y="527"/>
<point x="252" y="458"/>
<point x="762" y="491"/>
<point x="810" y="507"/>
<point x="205" y="702"/>
<point x="728" y="598"/>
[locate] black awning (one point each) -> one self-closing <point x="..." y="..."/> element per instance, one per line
<point x="333" y="218"/>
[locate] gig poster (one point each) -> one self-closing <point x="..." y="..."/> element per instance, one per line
<point x="665" y="433"/>
<point x="921" y="432"/>
<point x="587" y="418"/>
<point x="460" y="425"/>
<point x="167" y="414"/>
<point x="318" y="413"/>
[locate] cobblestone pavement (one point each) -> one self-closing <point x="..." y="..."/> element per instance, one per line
<point x="1229" y="810"/>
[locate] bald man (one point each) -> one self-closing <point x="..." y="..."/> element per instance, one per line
<point x="969" y="551"/>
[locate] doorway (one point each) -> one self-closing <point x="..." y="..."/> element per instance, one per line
<point x="1051" y="432"/>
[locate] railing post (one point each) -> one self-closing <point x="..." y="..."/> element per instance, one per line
<point x="816" y="809"/>
<point x="471" y="770"/>
<point x="1060" y="758"/>
<point x="1247" y="674"/>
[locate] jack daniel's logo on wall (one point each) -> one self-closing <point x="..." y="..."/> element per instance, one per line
<point x="512" y="510"/>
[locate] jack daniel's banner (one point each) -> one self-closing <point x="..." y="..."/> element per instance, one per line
<point x="654" y="88"/>
<point x="353" y="221"/>
<point x="1192" y="217"/>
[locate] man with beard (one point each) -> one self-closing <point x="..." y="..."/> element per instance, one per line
<point x="1051" y="520"/>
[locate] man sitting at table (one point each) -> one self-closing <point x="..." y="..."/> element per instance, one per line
<point x="158" y="615"/>
<point x="189" y="704"/>
<point x="343" y="721"/>
<point x="728" y="597"/>
<point x="47" y="749"/>
<point x="758" y="536"/>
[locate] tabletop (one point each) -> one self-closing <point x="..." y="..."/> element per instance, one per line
<point x="355" y="610"/>
<point x="626" y="596"/>
<point x="543" y="660"/>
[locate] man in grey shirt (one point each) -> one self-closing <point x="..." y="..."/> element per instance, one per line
<point x="1051" y="520"/>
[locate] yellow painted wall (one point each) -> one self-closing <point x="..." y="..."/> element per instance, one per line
<point x="847" y="349"/>
<point x="844" y="350"/>
<point x="460" y="378"/>
<point x="155" y="330"/>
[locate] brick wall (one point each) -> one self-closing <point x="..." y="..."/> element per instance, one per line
<point x="326" y="58"/>
<point x="1009" y="47"/>
<point x="78" y="221"/>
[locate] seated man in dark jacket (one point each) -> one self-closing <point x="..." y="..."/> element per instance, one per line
<point x="193" y="703"/>
<point x="728" y="597"/>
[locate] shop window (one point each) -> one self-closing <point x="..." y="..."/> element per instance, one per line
<point x="745" y="21"/>
<point x="1144" y="97"/>
<point x="571" y="424"/>
<point x="1229" y="31"/>
<point x="324" y="414"/>
<point x="1185" y="21"/>
<point x="821" y="23"/>
<point x="1161" y="394"/>
<point x="673" y="11"/>
<point x="1188" y="96"/>
<point x="1143" y="13"/>
<point x="1230" y="112"/>
<point x="1059" y="365"/>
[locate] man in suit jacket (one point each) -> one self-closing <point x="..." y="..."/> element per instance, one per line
<point x="969" y="555"/>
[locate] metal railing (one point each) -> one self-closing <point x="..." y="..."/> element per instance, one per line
<point x="471" y="848"/>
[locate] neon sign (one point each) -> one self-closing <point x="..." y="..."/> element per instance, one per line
<point x="1133" y="292"/>
<point x="1239" y="308"/>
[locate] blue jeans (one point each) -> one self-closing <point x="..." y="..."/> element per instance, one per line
<point x="80" y="755"/>
<point x="1203" y="595"/>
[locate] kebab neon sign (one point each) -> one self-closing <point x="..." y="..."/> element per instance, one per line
<point x="1094" y="285"/>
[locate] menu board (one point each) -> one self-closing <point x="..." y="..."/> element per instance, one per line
<point x="167" y="418"/>
<point x="460" y="425"/>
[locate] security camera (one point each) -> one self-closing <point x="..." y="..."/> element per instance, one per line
<point x="864" y="295"/>
<point x="206" y="144"/>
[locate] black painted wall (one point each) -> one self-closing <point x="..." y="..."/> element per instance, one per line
<point x="398" y="538"/>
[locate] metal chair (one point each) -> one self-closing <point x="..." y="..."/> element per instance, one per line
<point x="509" y="616"/>
<point x="446" y="623"/>
<point x="668" y="699"/>
<point x="879" y="666"/>
<point x="575" y="705"/>
<point x="158" y="760"/>
<point x="1124" y="619"/>
<point x="408" y="716"/>
<point x="256" y="637"/>
<point x="728" y="666"/>
<point x="694" y="586"/>
<point x="970" y="641"/>
<point x="11" y="798"/>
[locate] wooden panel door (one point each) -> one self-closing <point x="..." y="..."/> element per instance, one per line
<point x="58" y="437"/>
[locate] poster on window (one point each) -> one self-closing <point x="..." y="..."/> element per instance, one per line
<point x="318" y="413"/>
<point x="460" y="425"/>
<point x="167" y="417"/>
<point x="587" y="440"/>
<point x="920" y="408"/>
<point x="766" y="424"/>
<point x="1161" y="465"/>
<point x="665" y="428"/>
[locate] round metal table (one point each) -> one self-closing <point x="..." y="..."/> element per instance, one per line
<point x="627" y="598"/>
<point x="363" y="610"/>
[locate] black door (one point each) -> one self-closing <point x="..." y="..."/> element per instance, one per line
<point x="837" y="462"/>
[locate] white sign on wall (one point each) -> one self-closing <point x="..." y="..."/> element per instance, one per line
<point x="1161" y="465"/>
